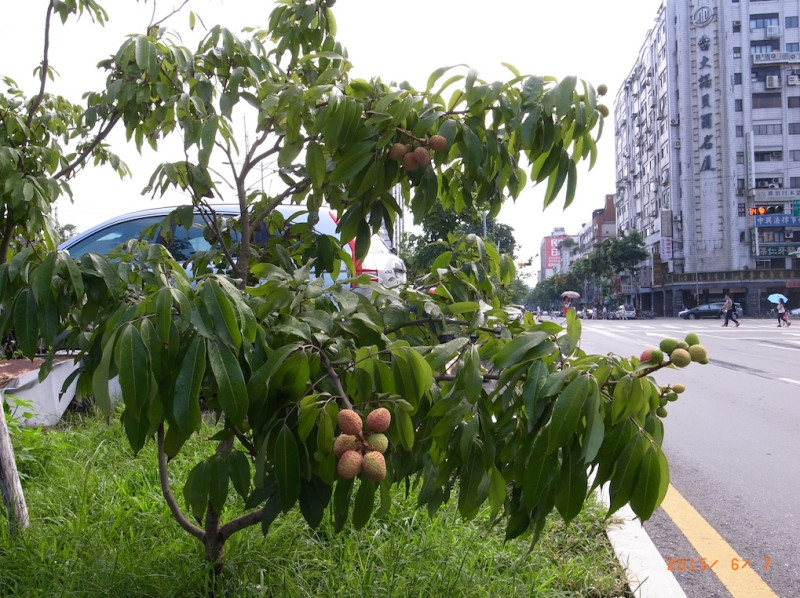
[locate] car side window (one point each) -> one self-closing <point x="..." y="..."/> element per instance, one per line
<point x="105" y="240"/>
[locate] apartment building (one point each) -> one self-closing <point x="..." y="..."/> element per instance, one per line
<point x="707" y="142"/>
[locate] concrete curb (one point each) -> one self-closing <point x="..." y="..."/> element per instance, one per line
<point x="648" y="576"/>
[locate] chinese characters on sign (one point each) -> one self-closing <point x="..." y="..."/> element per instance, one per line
<point x="705" y="84"/>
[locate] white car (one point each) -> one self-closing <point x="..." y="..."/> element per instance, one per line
<point x="380" y="263"/>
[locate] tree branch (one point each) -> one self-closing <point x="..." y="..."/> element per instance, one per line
<point x="165" y="490"/>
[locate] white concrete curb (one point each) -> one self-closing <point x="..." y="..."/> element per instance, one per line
<point x="648" y="576"/>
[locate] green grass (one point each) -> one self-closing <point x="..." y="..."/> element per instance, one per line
<point x="100" y="527"/>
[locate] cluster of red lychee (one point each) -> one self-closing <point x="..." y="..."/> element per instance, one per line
<point x="414" y="157"/>
<point x="361" y="451"/>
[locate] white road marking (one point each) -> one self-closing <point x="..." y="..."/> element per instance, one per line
<point x="790" y="380"/>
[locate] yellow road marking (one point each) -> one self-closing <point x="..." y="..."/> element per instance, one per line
<point x="740" y="581"/>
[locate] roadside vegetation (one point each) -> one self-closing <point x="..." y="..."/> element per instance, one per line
<point x="99" y="526"/>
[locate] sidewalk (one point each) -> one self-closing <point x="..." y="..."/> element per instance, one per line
<point x="647" y="573"/>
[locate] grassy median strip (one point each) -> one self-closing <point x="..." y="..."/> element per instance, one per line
<point x="100" y="527"/>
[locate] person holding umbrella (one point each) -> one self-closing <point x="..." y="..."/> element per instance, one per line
<point x="782" y="317"/>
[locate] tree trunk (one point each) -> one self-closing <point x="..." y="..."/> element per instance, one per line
<point x="214" y="540"/>
<point x="10" y="486"/>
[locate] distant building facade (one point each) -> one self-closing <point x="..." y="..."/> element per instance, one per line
<point x="707" y="143"/>
<point x="549" y="253"/>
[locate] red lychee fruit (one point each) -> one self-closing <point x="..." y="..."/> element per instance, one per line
<point x="349" y="422"/>
<point x="437" y="142"/>
<point x="422" y="156"/>
<point x="410" y="162"/>
<point x="374" y="466"/>
<point x="344" y="443"/>
<point x="350" y="464"/>
<point x="379" y="419"/>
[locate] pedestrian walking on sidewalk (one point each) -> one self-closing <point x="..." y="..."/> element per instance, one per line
<point x="729" y="309"/>
<point x="783" y="315"/>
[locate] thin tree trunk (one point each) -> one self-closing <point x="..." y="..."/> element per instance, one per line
<point x="10" y="486"/>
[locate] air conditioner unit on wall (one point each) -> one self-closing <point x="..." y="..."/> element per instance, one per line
<point x="787" y="234"/>
<point x="792" y="80"/>
<point x="773" y="31"/>
<point x="678" y="143"/>
<point x="773" y="82"/>
<point x="772" y="186"/>
<point x="674" y="121"/>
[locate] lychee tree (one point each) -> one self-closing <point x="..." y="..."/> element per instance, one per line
<point x="325" y="396"/>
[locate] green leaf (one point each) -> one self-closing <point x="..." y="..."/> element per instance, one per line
<point x="572" y="485"/>
<point x="186" y="400"/>
<point x="230" y="381"/>
<point x="315" y="163"/>
<point x="163" y="313"/>
<point x="350" y="165"/>
<point x="364" y="503"/>
<point x="539" y="473"/>
<point x="514" y="352"/>
<point x="26" y="323"/>
<point x="220" y="309"/>
<point x="626" y="469"/>
<point x="286" y="463"/>
<point x="217" y="482"/>
<point x="567" y="412"/>
<point x="133" y="364"/>
<point x="195" y="490"/>
<point x="239" y="472"/>
<point x="652" y="482"/>
<point x="341" y="503"/>
<point x="595" y="427"/>
<point x="628" y="398"/>
<point x="101" y="375"/>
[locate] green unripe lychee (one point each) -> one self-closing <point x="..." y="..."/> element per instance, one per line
<point x="668" y="345"/>
<point x="378" y="442"/>
<point x="692" y="339"/>
<point x="661" y="412"/>
<point x="349" y="465"/>
<point x="602" y="89"/>
<point x="662" y="401"/>
<point x="603" y="109"/>
<point x="698" y="353"/>
<point x="671" y="396"/>
<point x="374" y="466"/>
<point x="683" y="345"/>
<point x="680" y="357"/>
<point x="678" y="388"/>
<point x="397" y="151"/>
<point x="349" y="422"/>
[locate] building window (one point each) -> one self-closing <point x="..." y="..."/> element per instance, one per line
<point x="793" y="47"/>
<point x="794" y="128"/>
<point x="742" y="209"/>
<point x="776" y="129"/>
<point x="765" y="47"/>
<point x="791" y="22"/>
<point x="794" y="182"/>
<point x="740" y="157"/>
<point x="763" y="21"/>
<point x="737" y="78"/>
<point x="737" y="26"/>
<point x="739" y="131"/>
<point x="794" y="156"/>
<point x="737" y="52"/>
<point x="738" y="105"/>
<point x="766" y="100"/>
<point x="793" y="102"/>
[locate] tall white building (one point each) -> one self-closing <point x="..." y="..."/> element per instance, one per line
<point x="707" y="131"/>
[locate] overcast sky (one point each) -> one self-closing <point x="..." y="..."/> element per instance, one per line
<point x="594" y="40"/>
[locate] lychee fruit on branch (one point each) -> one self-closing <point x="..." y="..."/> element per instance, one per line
<point x="678" y="388"/>
<point x="410" y="162"/>
<point x="397" y="151"/>
<point x="422" y="156"/>
<point x="602" y="89"/>
<point x="350" y="464"/>
<point x="668" y="345"/>
<point x="437" y="142"/>
<point x="680" y="357"/>
<point x="379" y="419"/>
<point x="349" y="422"/>
<point x="651" y="356"/>
<point x="603" y="109"/>
<point x="344" y="443"/>
<point x="377" y="442"/>
<point x="692" y="339"/>
<point x="374" y="466"/>
<point x="698" y="353"/>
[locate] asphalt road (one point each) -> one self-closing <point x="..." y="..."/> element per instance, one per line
<point x="733" y="444"/>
